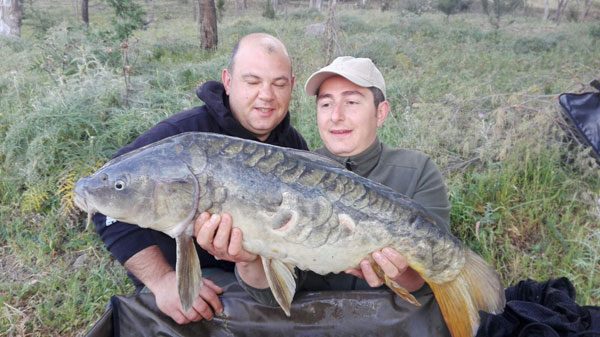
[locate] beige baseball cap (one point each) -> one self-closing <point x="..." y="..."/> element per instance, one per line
<point x="360" y="71"/>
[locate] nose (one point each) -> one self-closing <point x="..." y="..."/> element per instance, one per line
<point x="337" y="114"/>
<point x="266" y="92"/>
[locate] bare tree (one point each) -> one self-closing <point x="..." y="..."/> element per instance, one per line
<point x="586" y="9"/>
<point x="362" y="4"/>
<point x="76" y="9"/>
<point x="330" y="30"/>
<point x="546" y="9"/>
<point x="562" y="5"/>
<point x="11" y="16"/>
<point x="84" y="13"/>
<point x="236" y="8"/>
<point x="311" y="4"/>
<point x="207" y="24"/>
<point x="319" y="5"/>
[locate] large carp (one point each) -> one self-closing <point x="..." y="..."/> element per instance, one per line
<point x="295" y="208"/>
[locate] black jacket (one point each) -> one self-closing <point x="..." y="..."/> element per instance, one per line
<point x="125" y="240"/>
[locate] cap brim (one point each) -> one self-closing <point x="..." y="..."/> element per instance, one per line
<point x="315" y="80"/>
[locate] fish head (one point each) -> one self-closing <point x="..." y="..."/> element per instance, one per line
<point x="148" y="189"/>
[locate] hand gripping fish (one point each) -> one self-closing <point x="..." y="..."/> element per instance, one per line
<point x="296" y="209"/>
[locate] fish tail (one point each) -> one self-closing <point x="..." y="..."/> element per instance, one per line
<point x="477" y="287"/>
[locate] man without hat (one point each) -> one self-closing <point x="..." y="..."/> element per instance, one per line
<point x="251" y="103"/>
<point x="351" y="106"/>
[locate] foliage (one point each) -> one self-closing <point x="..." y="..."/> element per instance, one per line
<point x="499" y="8"/>
<point x="129" y="17"/>
<point x="220" y="4"/>
<point x="269" y="11"/>
<point x="416" y="7"/>
<point x="594" y="31"/>
<point x="534" y="45"/>
<point x="479" y="101"/>
<point x="448" y="7"/>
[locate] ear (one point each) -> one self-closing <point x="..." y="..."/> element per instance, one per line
<point x="382" y="111"/>
<point x="292" y="83"/>
<point x="226" y="79"/>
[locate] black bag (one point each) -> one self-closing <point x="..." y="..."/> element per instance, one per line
<point x="583" y="112"/>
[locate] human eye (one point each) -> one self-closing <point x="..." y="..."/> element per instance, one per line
<point x="324" y="105"/>
<point x="280" y="84"/>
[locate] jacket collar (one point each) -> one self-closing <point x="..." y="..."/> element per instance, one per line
<point x="362" y="163"/>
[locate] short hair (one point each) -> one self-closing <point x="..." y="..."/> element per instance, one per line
<point x="378" y="96"/>
<point x="270" y="49"/>
<point x="231" y="62"/>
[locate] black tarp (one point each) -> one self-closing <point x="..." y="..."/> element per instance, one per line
<point x="376" y="312"/>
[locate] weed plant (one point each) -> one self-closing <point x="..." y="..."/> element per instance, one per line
<point x="523" y="194"/>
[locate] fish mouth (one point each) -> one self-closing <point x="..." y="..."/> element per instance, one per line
<point x="82" y="203"/>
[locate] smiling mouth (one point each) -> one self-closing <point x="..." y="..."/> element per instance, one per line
<point x="264" y="110"/>
<point x="340" y="132"/>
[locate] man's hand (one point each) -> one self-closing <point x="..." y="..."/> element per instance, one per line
<point x="215" y="234"/>
<point x="150" y="267"/>
<point x="394" y="265"/>
<point x="167" y="300"/>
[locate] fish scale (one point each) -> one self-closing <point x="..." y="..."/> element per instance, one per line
<point x="295" y="208"/>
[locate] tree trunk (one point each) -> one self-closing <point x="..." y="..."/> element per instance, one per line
<point x="84" y="13"/>
<point x="362" y="4"/>
<point x="330" y="30"/>
<point x="11" y="16"/>
<point x="546" y="10"/>
<point x="319" y="5"/>
<point x="311" y="4"/>
<point x="562" y="5"/>
<point x="152" y="11"/>
<point x="236" y="8"/>
<point x="586" y="10"/>
<point x="207" y="24"/>
<point x="275" y="4"/>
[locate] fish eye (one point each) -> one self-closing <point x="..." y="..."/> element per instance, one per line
<point x="119" y="185"/>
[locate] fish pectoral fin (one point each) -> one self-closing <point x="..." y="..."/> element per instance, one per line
<point x="395" y="287"/>
<point x="282" y="281"/>
<point x="188" y="272"/>
<point x="400" y="291"/>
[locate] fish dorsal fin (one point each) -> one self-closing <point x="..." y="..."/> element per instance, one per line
<point x="316" y="157"/>
<point x="282" y="281"/>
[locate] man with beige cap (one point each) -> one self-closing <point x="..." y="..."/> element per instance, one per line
<point x="351" y="105"/>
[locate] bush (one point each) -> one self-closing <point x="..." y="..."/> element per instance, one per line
<point x="533" y="45"/>
<point x="351" y="24"/>
<point x="269" y="11"/>
<point x="448" y="7"/>
<point x="498" y="8"/>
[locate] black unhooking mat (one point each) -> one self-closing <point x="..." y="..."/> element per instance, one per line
<point x="583" y="111"/>
<point x="376" y="312"/>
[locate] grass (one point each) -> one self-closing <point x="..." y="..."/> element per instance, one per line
<point x="481" y="102"/>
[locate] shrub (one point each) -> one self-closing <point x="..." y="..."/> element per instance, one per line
<point x="448" y="7"/>
<point x="498" y="8"/>
<point x="533" y="45"/>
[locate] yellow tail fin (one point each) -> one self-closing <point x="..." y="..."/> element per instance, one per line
<point x="477" y="287"/>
